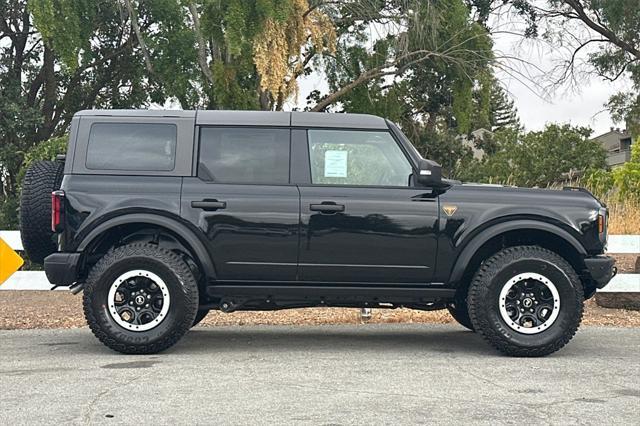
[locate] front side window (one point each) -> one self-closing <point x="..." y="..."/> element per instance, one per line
<point x="354" y="157"/>
<point x="132" y="146"/>
<point x="244" y="155"/>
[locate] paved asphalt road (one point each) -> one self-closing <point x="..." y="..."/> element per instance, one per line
<point x="375" y="374"/>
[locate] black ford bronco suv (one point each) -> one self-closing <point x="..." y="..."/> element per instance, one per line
<point x="160" y="216"/>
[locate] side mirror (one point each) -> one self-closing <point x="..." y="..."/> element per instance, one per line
<point x="429" y="173"/>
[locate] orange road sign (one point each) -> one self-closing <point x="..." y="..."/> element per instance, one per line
<point x="10" y="261"/>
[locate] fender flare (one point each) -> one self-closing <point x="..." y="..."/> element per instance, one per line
<point x="480" y="239"/>
<point x="181" y="230"/>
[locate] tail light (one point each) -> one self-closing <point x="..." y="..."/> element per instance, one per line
<point x="57" y="210"/>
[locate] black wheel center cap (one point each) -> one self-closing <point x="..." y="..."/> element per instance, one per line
<point x="527" y="302"/>
<point x="140" y="300"/>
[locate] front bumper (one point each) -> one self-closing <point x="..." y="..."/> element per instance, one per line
<point x="601" y="269"/>
<point x="62" y="268"/>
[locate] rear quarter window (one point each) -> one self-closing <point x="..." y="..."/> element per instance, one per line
<point x="132" y="146"/>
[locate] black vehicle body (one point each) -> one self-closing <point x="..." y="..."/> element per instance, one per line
<point x="294" y="244"/>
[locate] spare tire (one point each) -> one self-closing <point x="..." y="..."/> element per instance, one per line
<point x="40" y="180"/>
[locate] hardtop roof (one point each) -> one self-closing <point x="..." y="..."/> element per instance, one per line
<point x="254" y="118"/>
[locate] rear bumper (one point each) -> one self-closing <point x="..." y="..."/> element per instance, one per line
<point x="62" y="268"/>
<point x="601" y="269"/>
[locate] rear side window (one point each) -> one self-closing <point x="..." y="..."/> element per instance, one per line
<point x="132" y="146"/>
<point x="244" y="155"/>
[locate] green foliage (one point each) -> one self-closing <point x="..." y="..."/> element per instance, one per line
<point x="446" y="148"/>
<point x="9" y="212"/>
<point x="600" y="182"/>
<point x="538" y="158"/>
<point x="502" y="112"/>
<point x="47" y="150"/>
<point x="66" y="25"/>
<point x="86" y="61"/>
<point x="627" y="176"/>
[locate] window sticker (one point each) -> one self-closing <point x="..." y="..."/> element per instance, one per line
<point x="335" y="164"/>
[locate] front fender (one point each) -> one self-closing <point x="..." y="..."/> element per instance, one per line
<point x="472" y="246"/>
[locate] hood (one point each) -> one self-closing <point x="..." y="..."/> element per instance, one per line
<point x="476" y="206"/>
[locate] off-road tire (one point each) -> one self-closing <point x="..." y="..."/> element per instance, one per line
<point x="483" y="301"/>
<point x="40" y="180"/>
<point x="170" y="267"/>
<point x="459" y="311"/>
<point x="202" y="313"/>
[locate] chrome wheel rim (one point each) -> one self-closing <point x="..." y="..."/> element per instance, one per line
<point x="138" y="300"/>
<point x="529" y="303"/>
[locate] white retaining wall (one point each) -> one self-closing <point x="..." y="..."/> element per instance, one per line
<point x="618" y="244"/>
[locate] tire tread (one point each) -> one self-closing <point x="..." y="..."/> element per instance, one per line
<point x="489" y="269"/>
<point x="41" y="178"/>
<point x="170" y="259"/>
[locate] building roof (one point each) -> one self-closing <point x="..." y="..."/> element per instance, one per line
<point x="611" y="139"/>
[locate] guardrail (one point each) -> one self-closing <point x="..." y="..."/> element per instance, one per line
<point x="618" y="244"/>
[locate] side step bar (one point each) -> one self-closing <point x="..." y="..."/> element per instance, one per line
<point x="320" y="292"/>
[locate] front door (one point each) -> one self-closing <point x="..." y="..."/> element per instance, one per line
<point x="361" y="222"/>
<point x="244" y="204"/>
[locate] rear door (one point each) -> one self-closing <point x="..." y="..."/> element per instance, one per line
<point x="243" y="202"/>
<point x="361" y="220"/>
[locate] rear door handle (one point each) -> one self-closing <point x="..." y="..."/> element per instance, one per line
<point x="209" y="205"/>
<point x="327" y="208"/>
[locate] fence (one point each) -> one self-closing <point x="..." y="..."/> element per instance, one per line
<point x="618" y="244"/>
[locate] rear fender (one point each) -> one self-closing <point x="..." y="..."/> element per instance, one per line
<point x="188" y="236"/>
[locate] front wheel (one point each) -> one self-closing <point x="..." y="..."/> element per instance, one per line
<point x="140" y="299"/>
<point x="460" y="312"/>
<point x="202" y="313"/>
<point x="526" y="301"/>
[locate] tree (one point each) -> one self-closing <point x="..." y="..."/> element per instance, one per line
<point x="423" y="69"/>
<point x="538" y="158"/>
<point x="598" y="36"/>
<point x="614" y="26"/>
<point x="503" y="114"/>
<point x="79" y="55"/>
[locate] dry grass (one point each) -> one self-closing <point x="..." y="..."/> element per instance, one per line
<point x="624" y="218"/>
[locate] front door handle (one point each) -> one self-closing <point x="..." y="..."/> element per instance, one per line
<point x="327" y="208"/>
<point x="209" y="205"/>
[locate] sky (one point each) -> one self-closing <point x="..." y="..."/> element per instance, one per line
<point x="580" y="104"/>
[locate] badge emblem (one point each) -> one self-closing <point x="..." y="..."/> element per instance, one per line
<point x="449" y="209"/>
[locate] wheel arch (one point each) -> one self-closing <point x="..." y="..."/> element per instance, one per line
<point x="184" y="235"/>
<point x="519" y="232"/>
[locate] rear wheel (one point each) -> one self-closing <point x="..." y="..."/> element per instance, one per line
<point x="40" y="180"/>
<point x="526" y="301"/>
<point x="140" y="299"/>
